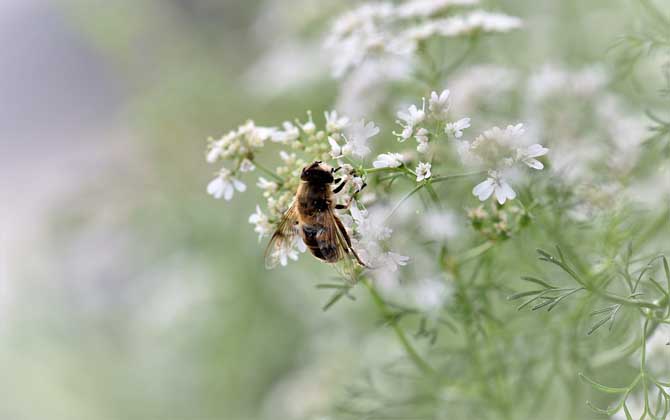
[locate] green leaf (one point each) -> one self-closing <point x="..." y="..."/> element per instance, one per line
<point x="523" y="294"/>
<point x="603" y="388"/>
<point x="598" y="324"/>
<point x="538" y="281"/>
<point x="333" y="299"/>
<point x="607" y="412"/>
<point x="603" y="310"/>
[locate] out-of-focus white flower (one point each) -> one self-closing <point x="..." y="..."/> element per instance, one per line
<point x="261" y="222"/>
<point x="439" y="225"/>
<point x="478" y="20"/>
<point x="429" y="295"/>
<point x="427" y="8"/>
<point x="494" y="185"/>
<point x="391" y="261"/>
<point x="290" y="133"/>
<point x="423" y="146"/>
<point x="455" y="129"/>
<point x="369" y="228"/>
<point x="408" y="119"/>
<point x="224" y="185"/>
<point x="423" y="171"/>
<point x="267" y="186"/>
<point x="215" y="150"/>
<point x="247" y="166"/>
<point x="480" y="85"/>
<point x="358" y="136"/>
<point x="335" y="123"/>
<point x="498" y="148"/>
<point x="388" y="160"/>
<point x="288" y="158"/>
<point x="309" y="127"/>
<point x="422" y="140"/>
<point x="371" y="232"/>
<point x="527" y="155"/>
<point x="438" y="105"/>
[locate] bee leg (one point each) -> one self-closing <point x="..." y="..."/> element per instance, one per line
<point x="339" y="187"/>
<point x="335" y="169"/>
<point x="365" y="184"/>
<point x="337" y="180"/>
<point x="344" y="206"/>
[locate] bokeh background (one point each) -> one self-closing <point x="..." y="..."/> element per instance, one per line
<point x="125" y="291"/>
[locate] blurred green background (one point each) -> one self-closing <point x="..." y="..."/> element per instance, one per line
<point x="128" y="293"/>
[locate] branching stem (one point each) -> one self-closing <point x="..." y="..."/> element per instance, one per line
<point x="399" y="332"/>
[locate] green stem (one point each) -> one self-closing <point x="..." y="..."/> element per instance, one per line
<point x="269" y="172"/>
<point x="402" y="200"/>
<point x="399" y="332"/>
<point x="441" y="178"/>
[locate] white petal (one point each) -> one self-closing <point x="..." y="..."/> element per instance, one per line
<point x="533" y="163"/>
<point x="228" y="191"/>
<point x="484" y="189"/>
<point x="504" y="192"/>
<point x="213" y="154"/>
<point x="215" y="187"/>
<point x="535" y="150"/>
<point x="239" y="185"/>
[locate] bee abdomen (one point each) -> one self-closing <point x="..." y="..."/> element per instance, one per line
<point x="314" y="237"/>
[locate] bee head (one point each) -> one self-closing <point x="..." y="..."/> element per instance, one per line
<point x="318" y="172"/>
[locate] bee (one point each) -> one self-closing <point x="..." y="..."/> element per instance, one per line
<point x="312" y="218"/>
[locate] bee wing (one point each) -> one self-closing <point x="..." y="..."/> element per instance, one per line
<point x="283" y="237"/>
<point x="334" y="241"/>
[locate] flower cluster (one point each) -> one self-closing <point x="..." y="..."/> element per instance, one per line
<point x="498" y="151"/>
<point x="426" y="125"/>
<point x="383" y="29"/>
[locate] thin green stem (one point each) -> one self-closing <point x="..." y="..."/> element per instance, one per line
<point x="399" y="332"/>
<point x="269" y="172"/>
<point x="441" y="178"/>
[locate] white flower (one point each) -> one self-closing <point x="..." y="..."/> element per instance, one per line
<point x="288" y="159"/>
<point x="309" y="127"/>
<point x="422" y="171"/>
<point x="286" y="253"/>
<point x="477" y="20"/>
<point x="495" y="185"/>
<point x="429" y="295"/>
<point x="334" y="123"/>
<point x="247" y="166"/>
<point x="422" y="135"/>
<point x="427" y="8"/>
<point x="409" y="119"/>
<point x="335" y="148"/>
<point x="263" y="226"/>
<point x="357" y="138"/>
<point x="422" y="138"/>
<point x="289" y="134"/>
<point x="370" y="229"/>
<point x="527" y="155"/>
<point x="224" y="185"/>
<point x="266" y="185"/>
<point x="391" y="260"/>
<point x="439" y="225"/>
<point x="439" y="104"/>
<point x="388" y="160"/>
<point x="456" y="128"/>
<point x="215" y="151"/>
<point x="357" y="182"/>
<point x="422" y="147"/>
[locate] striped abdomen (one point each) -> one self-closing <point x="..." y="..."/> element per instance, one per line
<point x="316" y="238"/>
